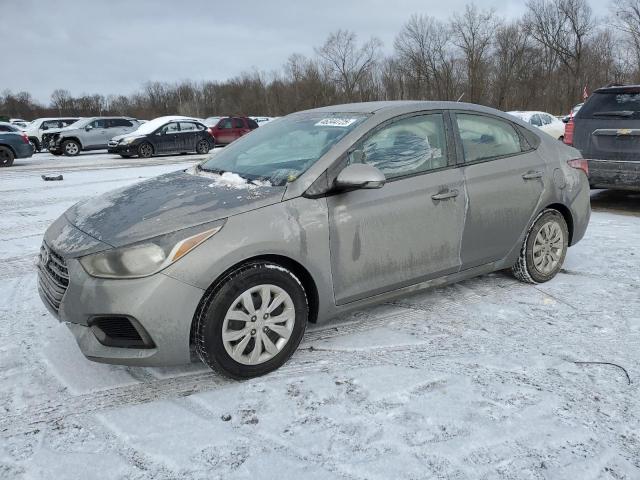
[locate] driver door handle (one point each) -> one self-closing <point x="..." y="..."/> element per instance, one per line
<point x="532" y="175"/>
<point x="445" y="195"/>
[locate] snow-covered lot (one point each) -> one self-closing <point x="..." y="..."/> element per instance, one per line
<point x="489" y="378"/>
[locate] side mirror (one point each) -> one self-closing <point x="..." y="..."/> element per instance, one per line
<point x="359" y="176"/>
<point x="88" y="127"/>
<point x="565" y="119"/>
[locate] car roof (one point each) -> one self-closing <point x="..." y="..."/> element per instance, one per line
<point x="402" y="106"/>
<point x="619" y="89"/>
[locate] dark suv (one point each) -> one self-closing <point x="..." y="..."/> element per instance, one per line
<point x="607" y="132"/>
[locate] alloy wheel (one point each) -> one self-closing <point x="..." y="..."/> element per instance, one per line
<point x="547" y="247"/>
<point x="258" y="324"/>
<point x="71" y="148"/>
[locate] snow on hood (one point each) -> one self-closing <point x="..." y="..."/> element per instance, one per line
<point x="166" y="204"/>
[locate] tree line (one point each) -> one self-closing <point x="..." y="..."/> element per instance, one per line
<point x="540" y="61"/>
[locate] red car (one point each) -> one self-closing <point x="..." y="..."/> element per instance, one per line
<point x="229" y="129"/>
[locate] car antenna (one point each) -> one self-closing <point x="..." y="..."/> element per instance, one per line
<point x="460" y="97"/>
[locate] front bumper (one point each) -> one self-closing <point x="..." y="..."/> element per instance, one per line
<point x="161" y="307"/>
<point x="614" y="174"/>
<point x="123" y="149"/>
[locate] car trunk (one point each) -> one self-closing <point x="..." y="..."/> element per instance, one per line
<point x="608" y="126"/>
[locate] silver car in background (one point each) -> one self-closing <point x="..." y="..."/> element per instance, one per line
<point x="313" y="215"/>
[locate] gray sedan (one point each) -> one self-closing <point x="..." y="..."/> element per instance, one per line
<point x="312" y="215"/>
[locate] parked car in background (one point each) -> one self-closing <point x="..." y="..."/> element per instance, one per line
<point x="39" y="126"/>
<point x="607" y="132"/>
<point x="91" y="133"/>
<point x="319" y="213"/>
<point x="13" y="144"/>
<point x="164" y="135"/>
<point x="229" y="129"/>
<point x="19" y="122"/>
<point x="574" y="110"/>
<point x="544" y="121"/>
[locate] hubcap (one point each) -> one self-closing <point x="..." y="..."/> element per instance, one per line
<point x="71" y="148"/>
<point x="146" y="151"/>
<point x="258" y="324"/>
<point x="547" y="248"/>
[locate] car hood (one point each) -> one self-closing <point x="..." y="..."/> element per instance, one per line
<point x="166" y="204"/>
<point x="117" y="138"/>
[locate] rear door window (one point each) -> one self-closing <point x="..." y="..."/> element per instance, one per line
<point x="612" y="105"/>
<point x="188" y="127"/>
<point x="484" y="137"/>
<point x="238" y="123"/>
<point x="252" y="124"/>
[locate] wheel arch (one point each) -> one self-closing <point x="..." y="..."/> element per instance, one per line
<point x="6" y="145"/>
<point x="566" y="213"/>
<point x="75" y="139"/>
<point x="301" y="272"/>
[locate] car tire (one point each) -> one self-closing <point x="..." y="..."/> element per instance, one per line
<point x="544" y="248"/>
<point x="145" y="150"/>
<point x="6" y="157"/>
<point x="233" y="318"/>
<point x="71" y="148"/>
<point x="203" y="147"/>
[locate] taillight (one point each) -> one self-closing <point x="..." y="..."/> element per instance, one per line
<point x="580" y="164"/>
<point x="25" y="139"/>
<point x="568" y="131"/>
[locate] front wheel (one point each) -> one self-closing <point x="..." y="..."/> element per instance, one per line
<point x="544" y="250"/>
<point x="6" y="157"/>
<point x="71" y="148"/>
<point x="145" y="150"/>
<point x="253" y="321"/>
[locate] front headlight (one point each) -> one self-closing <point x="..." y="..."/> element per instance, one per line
<point x="149" y="257"/>
<point x="127" y="141"/>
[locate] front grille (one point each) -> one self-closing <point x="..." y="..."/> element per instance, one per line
<point x="53" y="276"/>
<point x="112" y="143"/>
<point x="120" y="331"/>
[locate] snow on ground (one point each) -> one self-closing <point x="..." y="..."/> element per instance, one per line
<point x="475" y="380"/>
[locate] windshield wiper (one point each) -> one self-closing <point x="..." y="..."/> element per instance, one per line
<point x="621" y="113"/>
<point x="210" y="170"/>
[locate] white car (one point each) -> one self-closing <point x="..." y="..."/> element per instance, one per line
<point x="544" y="121"/>
<point x="35" y="129"/>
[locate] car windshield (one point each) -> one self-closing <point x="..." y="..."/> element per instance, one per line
<point x="282" y="150"/>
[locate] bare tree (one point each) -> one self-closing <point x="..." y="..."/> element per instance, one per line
<point x="625" y="15"/>
<point x="348" y="64"/>
<point x="473" y="32"/>
<point x="423" y="50"/>
<point x="564" y="27"/>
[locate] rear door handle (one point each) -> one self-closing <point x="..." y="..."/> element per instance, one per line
<point x="532" y="175"/>
<point x="445" y="195"/>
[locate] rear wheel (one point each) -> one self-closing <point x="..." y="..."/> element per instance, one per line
<point x="544" y="250"/>
<point x="253" y="321"/>
<point x="6" y="157"/>
<point x="145" y="150"/>
<point x="203" y="147"/>
<point x="71" y="148"/>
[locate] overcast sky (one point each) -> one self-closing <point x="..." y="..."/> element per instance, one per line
<point x="115" y="46"/>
